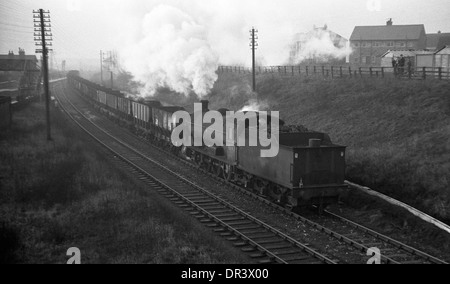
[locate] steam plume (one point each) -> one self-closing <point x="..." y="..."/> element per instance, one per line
<point x="172" y="52"/>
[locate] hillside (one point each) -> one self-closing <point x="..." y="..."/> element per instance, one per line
<point x="397" y="132"/>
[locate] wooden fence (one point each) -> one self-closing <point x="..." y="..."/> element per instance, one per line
<point x="344" y="71"/>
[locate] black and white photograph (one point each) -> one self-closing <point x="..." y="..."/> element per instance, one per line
<point x="213" y="139"/>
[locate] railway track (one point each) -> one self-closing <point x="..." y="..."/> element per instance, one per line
<point x="262" y="242"/>
<point x="344" y="230"/>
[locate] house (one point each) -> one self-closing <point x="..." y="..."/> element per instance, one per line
<point x="318" y="46"/>
<point x="438" y="40"/>
<point x="370" y="43"/>
<point x="20" y="62"/>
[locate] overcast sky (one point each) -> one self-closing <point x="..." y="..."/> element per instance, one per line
<point x="81" y="28"/>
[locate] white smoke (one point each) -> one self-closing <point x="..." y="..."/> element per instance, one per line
<point x="171" y="52"/>
<point x="320" y="46"/>
<point x="255" y="105"/>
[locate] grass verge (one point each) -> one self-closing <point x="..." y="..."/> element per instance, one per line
<point x="61" y="194"/>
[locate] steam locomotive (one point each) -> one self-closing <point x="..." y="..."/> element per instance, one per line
<point x="309" y="168"/>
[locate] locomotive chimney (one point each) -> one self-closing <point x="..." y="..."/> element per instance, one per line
<point x="204" y="105"/>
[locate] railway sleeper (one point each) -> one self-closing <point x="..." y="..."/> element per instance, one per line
<point x="206" y="202"/>
<point x="266" y="261"/>
<point x="231" y="218"/>
<point x="286" y="251"/>
<point x="254" y="236"/>
<point x="401" y="255"/>
<point x="295" y="257"/>
<point x="240" y="223"/>
<point x="253" y="230"/>
<point x="213" y="206"/>
<point x="279" y="245"/>
<point x="412" y="262"/>
<point x="258" y="255"/>
<point x="233" y="238"/>
<point x="268" y="241"/>
<point x="231" y="214"/>
<point x="248" y="249"/>
<point x="221" y="211"/>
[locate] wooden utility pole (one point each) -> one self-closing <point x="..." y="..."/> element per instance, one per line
<point x="101" y="66"/>
<point x="42" y="25"/>
<point x="253" y="45"/>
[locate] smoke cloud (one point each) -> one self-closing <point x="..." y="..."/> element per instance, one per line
<point x="319" y="46"/>
<point x="255" y="105"/>
<point x="173" y="52"/>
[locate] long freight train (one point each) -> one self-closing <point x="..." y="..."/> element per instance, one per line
<point x="309" y="168"/>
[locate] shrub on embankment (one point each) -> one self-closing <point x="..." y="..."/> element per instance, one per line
<point x="397" y="131"/>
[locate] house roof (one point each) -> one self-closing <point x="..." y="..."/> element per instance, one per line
<point x="406" y="53"/>
<point x="434" y="39"/>
<point x="18" y="57"/>
<point x="443" y="41"/>
<point x="394" y="32"/>
<point x="442" y="48"/>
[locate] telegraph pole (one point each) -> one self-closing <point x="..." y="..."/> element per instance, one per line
<point x="253" y="45"/>
<point x="44" y="27"/>
<point x="101" y="66"/>
<point x="111" y="63"/>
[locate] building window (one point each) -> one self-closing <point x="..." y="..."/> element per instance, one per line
<point x="355" y="44"/>
<point x="363" y="60"/>
<point x="377" y="44"/>
<point x="373" y="59"/>
<point x="410" y="44"/>
<point x="390" y="43"/>
<point x="356" y="59"/>
<point x="366" y="44"/>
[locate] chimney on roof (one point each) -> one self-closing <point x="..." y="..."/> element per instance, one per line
<point x="439" y="32"/>
<point x="21" y="52"/>
<point x="389" y="23"/>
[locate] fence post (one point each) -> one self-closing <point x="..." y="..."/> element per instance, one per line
<point x="314" y="69"/>
<point x="424" y="73"/>
<point x="340" y="71"/>
<point x="293" y="71"/>
<point x="307" y="71"/>
<point x="382" y="72"/>
<point x="440" y="73"/>
<point x="370" y="69"/>
<point x="350" y="71"/>
<point x="360" y="72"/>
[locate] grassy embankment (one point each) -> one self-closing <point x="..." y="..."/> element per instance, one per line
<point x="65" y="194"/>
<point x="397" y="132"/>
